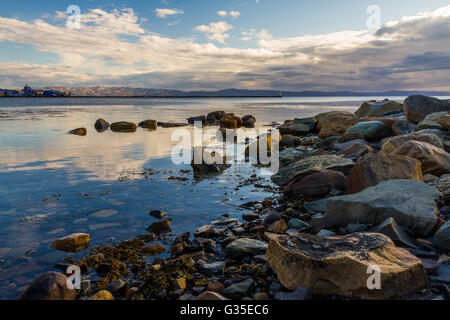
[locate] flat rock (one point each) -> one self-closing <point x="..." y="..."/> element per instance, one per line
<point x="412" y="205"/>
<point x="149" y="124"/>
<point x="290" y="155"/>
<point x="371" y="130"/>
<point x="304" y="167"/>
<point x="417" y="107"/>
<point x="243" y="247"/>
<point x="49" y="286"/>
<point x="239" y="290"/>
<point x="434" y="160"/>
<point x="372" y="169"/>
<point x="379" y="109"/>
<point x="72" y="243"/>
<point x="172" y="124"/>
<point x="339" y="265"/>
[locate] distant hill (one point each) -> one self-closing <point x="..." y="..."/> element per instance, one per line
<point x="102" y="91"/>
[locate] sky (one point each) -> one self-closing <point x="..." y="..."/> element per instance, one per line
<point x="353" y="45"/>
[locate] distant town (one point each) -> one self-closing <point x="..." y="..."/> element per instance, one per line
<point x="27" y="91"/>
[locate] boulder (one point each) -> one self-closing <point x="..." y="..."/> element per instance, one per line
<point x="72" y="243"/>
<point x="379" y="109"/>
<point x="343" y="265"/>
<point x="417" y="107"/>
<point x="123" y="126"/>
<point x="401" y="127"/>
<point x="101" y="125"/>
<point x="443" y="185"/>
<point x="442" y="237"/>
<point x="248" y="121"/>
<point x="298" y="127"/>
<point x="397" y="234"/>
<point x="79" y="132"/>
<point x="334" y="123"/>
<point x="412" y="204"/>
<point x="160" y="226"/>
<point x="290" y="155"/>
<point x="371" y="130"/>
<point x="391" y="144"/>
<point x="355" y="149"/>
<point x="290" y="141"/>
<point x="149" y="124"/>
<point x="230" y="121"/>
<point x="317" y="184"/>
<point x="304" y="167"/>
<point x="434" y="160"/>
<point x="244" y="247"/>
<point x="215" y="117"/>
<point x="49" y="286"/>
<point x="438" y="120"/>
<point x="374" y="168"/>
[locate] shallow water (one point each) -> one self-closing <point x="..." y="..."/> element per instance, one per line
<point x="53" y="184"/>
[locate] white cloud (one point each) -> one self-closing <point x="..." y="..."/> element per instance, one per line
<point x="216" y="30"/>
<point x="222" y="13"/>
<point x="233" y="14"/>
<point x="253" y="34"/>
<point x="164" y="13"/>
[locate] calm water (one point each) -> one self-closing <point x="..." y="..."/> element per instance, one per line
<point x="53" y="184"/>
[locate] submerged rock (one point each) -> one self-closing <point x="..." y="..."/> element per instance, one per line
<point x="149" y="124"/>
<point x="49" y="286"/>
<point x="417" y="107"/>
<point x="342" y="265"/>
<point x="72" y="243"/>
<point x="79" y="132"/>
<point x="209" y="166"/>
<point x="101" y="125"/>
<point x="304" y="167"/>
<point x="412" y="204"/>
<point x="375" y="168"/>
<point x="161" y="226"/>
<point x="123" y="126"/>
<point x="379" y="109"/>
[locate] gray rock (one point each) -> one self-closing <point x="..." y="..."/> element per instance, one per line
<point x="319" y="206"/>
<point x="298" y="127"/>
<point x="116" y="286"/>
<point x="325" y="233"/>
<point x="304" y="167"/>
<point x="298" y="224"/>
<point x="442" y="237"/>
<point x="356" y="227"/>
<point x="442" y="275"/>
<point x="290" y="155"/>
<point x="379" y="109"/>
<point x="417" y="107"/>
<point x="212" y="268"/>
<point x="412" y="204"/>
<point x="241" y="248"/>
<point x="225" y="222"/>
<point x="298" y="295"/>
<point x="391" y="229"/>
<point x="442" y="184"/>
<point x="239" y="290"/>
<point x="371" y="130"/>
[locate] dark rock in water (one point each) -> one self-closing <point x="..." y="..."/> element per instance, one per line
<point x="215" y="117"/>
<point x="412" y="205"/>
<point x="72" y="243"/>
<point x="371" y="130"/>
<point x="298" y="295"/>
<point x="317" y="184"/>
<point x="116" y="286"/>
<point x="442" y="237"/>
<point x="79" y="132"/>
<point x="239" y="290"/>
<point x="339" y="265"/>
<point x="230" y="121"/>
<point x="204" y="167"/>
<point x="101" y="125"/>
<point x="417" y="107"/>
<point x="375" y="168"/>
<point x="244" y="247"/>
<point x="252" y="216"/>
<point x="149" y="124"/>
<point x="391" y="229"/>
<point x="206" y="231"/>
<point x="157" y="214"/>
<point x="212" y="268"/>
<point x="49" y="286"/>
<point x="248" y="121"/>
<point x="160" y="226"/>
<point x="192" y="120"/>
<point x="401" y="127"/>
<point x="298" y="127"/>
<point x="123" y="126"/>
<point x="171" y="125"/>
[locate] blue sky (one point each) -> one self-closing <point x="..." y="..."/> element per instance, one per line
<point x="200" y="44"/>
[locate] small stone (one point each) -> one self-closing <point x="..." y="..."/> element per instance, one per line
<point x="197" y="290"/>
<point x="239" y="290"/>
<point x="102" y="295"/>
<point x="430" y="265"/>
<point x="278" y="227"/>
<point x="298" y="295"/>
<point x="131" y="292"/>
<point x="149" y="124"/>
<point x="181" y="283"/>
<point x="250" y="216"/>
<point x="298" y="224"/>
<point x="356" y="227"/>
<point x="241" y="248"/>
<point x="210" y="296"/>
<point x="79" y="132"/>
<point x="215" y="286"/>
<point x="123" y="127"/>
<point x="157" y="214"/>
<point x="261" y="296"/>
<point x="101" y="125"/>
<point x="325" y="233"/>
<point x="205" y="232"/>
<point x="161" y="226"/>
<point x="212" y="268"/>
<point x="116" y="286"/>
<point x="72" y="243"/>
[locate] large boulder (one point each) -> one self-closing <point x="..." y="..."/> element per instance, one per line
<point x="379" y="109"/>
<point x="72" y="243"/>
<point x="245" y="247"/>
<point x="101" y="125"/>
<point x="334" y="123"/>
<point x="442" y="237"/>
<point x="412" y="204"/>
<point x="343" y="265"/>
<point x="374" y="168"/>
<point x="317" y="184"/>
<point x="417" y="107"/>
<point x="149" y="124"/>
<point x="434" y="160"/>
<point x="123" y="126"/>
<point x="391" y="144"/>
<point x="300" y="169"/>
<point x="438" y="120"/>
<point x="298" y="127"/>
<point x="371" y="130"/>
<point x="401" y="127"/>
<point x="49" y="286"/>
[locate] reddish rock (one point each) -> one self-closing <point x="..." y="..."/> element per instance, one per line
<point x="317" y="184"/>
<point x="375" y="168"/>
<point x="49" y="286"/>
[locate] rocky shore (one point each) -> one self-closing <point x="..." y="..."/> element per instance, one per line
<point x="361" y="192"/>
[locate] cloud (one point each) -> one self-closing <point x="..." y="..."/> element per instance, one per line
<point x="164" y="13"/>
<point x="112" y="48"/>
<point x="233" y="14"/>
<point x="216" y="31"/>
<point x="222" y="13"/>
